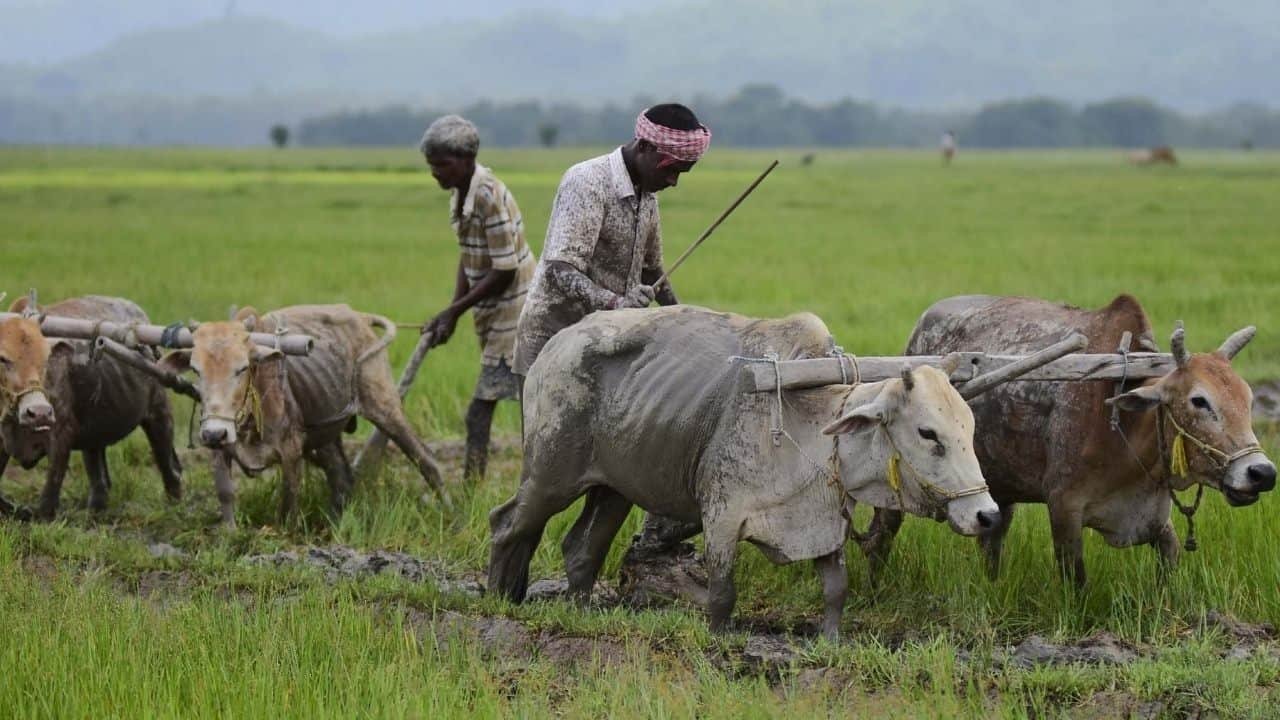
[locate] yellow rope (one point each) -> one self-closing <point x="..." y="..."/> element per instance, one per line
<point x="1178" y="457"/>
<point x="895" y="475"/>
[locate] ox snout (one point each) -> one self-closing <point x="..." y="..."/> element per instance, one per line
<point x="217" y="434"/>
<point x="976" y="515"/>
<point x="1247" y="478"/>
<point x="35" y="412"/>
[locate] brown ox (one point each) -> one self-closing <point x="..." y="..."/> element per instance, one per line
<point x="55" y="398"/>
<point x="1053" y="443"/>
<point x="1154" y="156"/>
<point x="261" y="408"/>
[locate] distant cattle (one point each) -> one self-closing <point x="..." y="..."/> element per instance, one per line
<point x="1162" y="154"/>
<point x="261" y="408"/>
<point x="55" y="398"/>
<point x="1054" y="442"/>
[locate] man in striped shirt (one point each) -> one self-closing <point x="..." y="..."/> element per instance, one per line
<point x="493" y="275"/>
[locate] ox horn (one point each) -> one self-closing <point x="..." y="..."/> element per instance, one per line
<point x="1237" y="341"/>
<point x="1178" y="345"/>
<point x="908" y="382"/>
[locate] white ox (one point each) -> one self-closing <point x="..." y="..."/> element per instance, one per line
<point x="643" y="407"/>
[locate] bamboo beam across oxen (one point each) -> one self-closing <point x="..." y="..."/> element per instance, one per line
<point x="796" y="374"/>
<point x="173" y="337"/>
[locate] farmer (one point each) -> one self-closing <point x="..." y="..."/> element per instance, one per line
<point x="604" y="242"/>
<point x="604" y="246"/>
<point x="493" y="276"/>
<point x="948" y="145"/>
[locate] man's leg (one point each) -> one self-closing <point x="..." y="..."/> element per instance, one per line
<point x="479" y="421"/>
<point x="496" y="382"/>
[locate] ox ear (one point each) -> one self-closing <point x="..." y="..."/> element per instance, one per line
<point x="857" y="419"/>
<point x="176" y="362"/>
<point x="260" y="354"/>
<point x="1147" y="397"/>
<point x="248" y="316"/>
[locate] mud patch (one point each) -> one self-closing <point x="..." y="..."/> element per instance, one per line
<point x="648" y="580"/>
<point x="339" y="562"/>
<point x="1247" y="639"/>
<point x="1101" y="649"/>
<point x="499" y="638"/>
<point x="602" y="595"/>
<point x="1112" y="704"/>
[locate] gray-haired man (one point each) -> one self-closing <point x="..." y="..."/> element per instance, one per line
<point x="493" y="274"/>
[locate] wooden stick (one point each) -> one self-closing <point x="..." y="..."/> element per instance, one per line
<point x="79" y="329"/>
<point x="799" y="374"/>
<point x="707" y="233"/>
<point x="986" y="381"/>
<point x="371" y="452"/>
<point x="135" y="360"/>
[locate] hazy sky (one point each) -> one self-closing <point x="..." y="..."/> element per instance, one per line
<point x="44" y="31"/>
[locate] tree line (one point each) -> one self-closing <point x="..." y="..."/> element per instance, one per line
<point x="763" y="116"/>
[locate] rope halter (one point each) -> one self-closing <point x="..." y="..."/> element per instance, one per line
<point x="10" y="400"/>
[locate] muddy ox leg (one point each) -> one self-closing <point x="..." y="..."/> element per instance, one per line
<point x="1166" y="545"/>
<point x="59" y="458"/>
<point x="225" y="484"/>
<point x="337" y="471"/>
<point x="479" y="422"/>
<point x="721" y="552"/>
<point x="878" y="542"/>
<point x="7" y="508"/>
<point x="516" y="528"/>
<point x="290" y="479"/>
<point x="1068" y="547"/>
<point x="992" y="542"/>
<point x="158" y="425"/>
<point x="835" y="590"/>
<point x="380" y="405"/>
<point x="587" y="542"/>
<point x="95" y="466"/>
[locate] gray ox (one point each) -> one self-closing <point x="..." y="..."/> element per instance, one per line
<point x="55" y="398"/>
<point x="1052" y="442"/>
<point x="260" y="408"/>
<point x="642" y="407"/>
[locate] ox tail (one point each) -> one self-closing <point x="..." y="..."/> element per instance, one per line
<point x="388" y="337"/>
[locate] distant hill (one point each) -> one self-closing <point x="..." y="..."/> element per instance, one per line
<point x="909" y="52"/>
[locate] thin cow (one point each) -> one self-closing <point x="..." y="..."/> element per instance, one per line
<point x="642" y="407"/>
<point x="55" y="398"/>
<point x="1055" y="442"/>
<point x="260" y="407"/>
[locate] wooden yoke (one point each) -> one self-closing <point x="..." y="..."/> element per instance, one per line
<point x="1058" y="363"/>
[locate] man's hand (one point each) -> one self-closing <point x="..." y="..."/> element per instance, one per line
<point x="441" y="327"/>
<point x="639" y="296"/>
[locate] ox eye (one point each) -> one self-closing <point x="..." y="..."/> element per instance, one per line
<point x="240" y="370"/>
<point x="1200" y="403"/>
<point x="5" y="361"/>
<point x="928" y="434"/>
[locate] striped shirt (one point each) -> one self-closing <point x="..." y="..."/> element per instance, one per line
<point x="491" y="235"/>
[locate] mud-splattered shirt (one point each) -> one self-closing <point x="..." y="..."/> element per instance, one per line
<point x="601" y="226"/>
<point x="491" y="234"/>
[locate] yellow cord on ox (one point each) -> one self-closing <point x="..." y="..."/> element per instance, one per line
<point x="1178" y="457"/>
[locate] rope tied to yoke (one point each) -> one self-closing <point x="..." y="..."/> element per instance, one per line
<point x="1176" y="452"/>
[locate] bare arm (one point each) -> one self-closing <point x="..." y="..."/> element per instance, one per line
<point x="492" y="284"/>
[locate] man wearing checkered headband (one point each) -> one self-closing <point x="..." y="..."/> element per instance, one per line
<point x="603" y="249"/>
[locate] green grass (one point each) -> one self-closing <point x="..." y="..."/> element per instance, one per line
<point x="866" y="240"/>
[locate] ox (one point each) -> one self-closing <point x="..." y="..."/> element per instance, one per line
<point x="55" y="398"/>
<point x="260" y="408"/>
<point x="642" y="407"/>
<point x="1053" y="442"/>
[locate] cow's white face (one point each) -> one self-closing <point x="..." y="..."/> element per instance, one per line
<point x="925" y="420"/>
<point x="222" y="357"/>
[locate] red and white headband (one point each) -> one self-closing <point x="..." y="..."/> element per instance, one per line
<point x="679" y="145"/>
